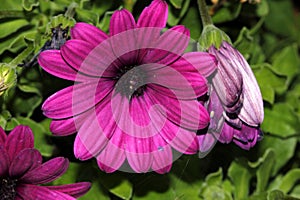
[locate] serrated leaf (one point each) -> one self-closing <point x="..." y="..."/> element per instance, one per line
<point x="289" y="180"/>
<point x="240" y="176"/>
<point x="29" y="4"/>
<point x="9" y="27"/>
<point x="268" y="81"/>
<point x="281" y="120"/>
<point x="264" y="171"/>
<point x="284" y="150"/>
<point x="87" y="16"/>
<point x="287" y="62"/>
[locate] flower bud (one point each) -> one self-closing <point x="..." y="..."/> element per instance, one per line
<point x="8" y="77"/>
<point x="212" y="36"/>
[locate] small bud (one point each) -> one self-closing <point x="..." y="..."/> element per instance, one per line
<point x="8" y="77"/>
<point x="212" y="36"/>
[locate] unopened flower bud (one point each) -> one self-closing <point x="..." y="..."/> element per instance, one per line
<point x="7" y="77"/>
<point x="212" y="36"/>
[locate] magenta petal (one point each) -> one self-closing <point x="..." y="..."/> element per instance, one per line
<point x="121" y="20"/>
<point x="70" y="101"/>
<point x="25" y="161"/>
<point x="30" y="192"/>
<point x="112" y="156"/>
<point x="205" y="63"/>
<point x="63" y="127"/>
<point x="52" y="62"/>
<point x="96" y="131"/>
<point x="227" y="133"/>
<point x="2" y="136"/>
<point x="246" y="137"/>
<point x="206" y="143"/>
<point x="155" y="15"/>
<point x="4" y="162"/>
<point x="47" y="172"/>
<point x="75" y="190"/>
<point x="138" y="153"/>
<point x="80" y="150"/>
<point x="180" y="139"/>
<point x="21" y="137"/>
<point x="162" y="155"/>
<point x="169" y="47"/>
<point x="187" y="114"/>
<point x="74" y="52"/>
<point x="88" y="33"/>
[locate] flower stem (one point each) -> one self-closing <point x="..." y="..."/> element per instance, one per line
<point x="128" y="4"/>
<point x="205" y="17"/>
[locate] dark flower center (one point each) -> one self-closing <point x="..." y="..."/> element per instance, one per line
<point x="7" y="188"/>
<point x="131" y="81"/>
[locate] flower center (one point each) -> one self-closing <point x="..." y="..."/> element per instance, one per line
<point x="131" y="81"/>
<point x="7" y="189"/>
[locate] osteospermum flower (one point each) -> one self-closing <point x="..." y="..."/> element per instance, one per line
<point x="22" y="170"/>
<point x="135" y="92"/>
<point x="236" y="97"/>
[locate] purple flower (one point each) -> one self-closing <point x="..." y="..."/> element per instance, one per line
<point x="22" y="170"/>
<point x="135" y="92"/>
<point x="237" y="96"/>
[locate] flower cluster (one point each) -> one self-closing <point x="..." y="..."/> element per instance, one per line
<point x="22" y="170"/>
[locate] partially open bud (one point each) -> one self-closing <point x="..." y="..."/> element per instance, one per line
<point x="252" y="111"/>
<point x="238" y="99"/>
<point x="8" y="77"/>
<point x="212" y="36"/>
<point x="228" y="83"/>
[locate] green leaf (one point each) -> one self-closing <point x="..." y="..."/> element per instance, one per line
<point x="117" y="185"/>
<point x="240" y="176"/>
<point x="262" y="8"/>
<point x="264" y="171"/>
<point x="268" y="81"/>
<point x="192" y="21"/>
<point x="277" y="18"/>
<point x="9" y="27"/>
<point x="289" y="180"/>
<point x="281" y="120"/>
<point x="177" y="3"/>
<point x="29" y="4"/>
<point x="87" y="16"/>
<point x="287" y="62"/>
<point x="11" y="5"/>
<point x="227" y="13"/>
<point x="104" y="24"/>
<point x="213" y="188"/>
<point x="153" y="186"/>
<point x="284" y="149"/>
<point x="214" y="178"/>
<point x="176" y="13"/>
<point x="249" y="46"/>
<point x="275" y="195"/>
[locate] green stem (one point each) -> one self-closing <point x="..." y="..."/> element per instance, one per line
<point x="128" y="4"/>
<point x="205" y="17"/>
